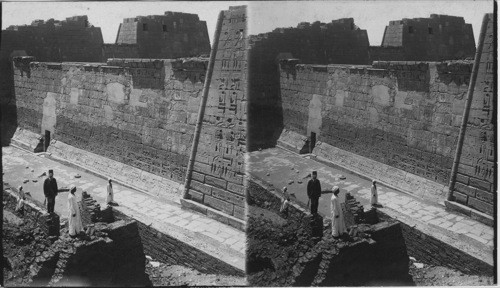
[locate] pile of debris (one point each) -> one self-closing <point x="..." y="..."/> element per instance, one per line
<point x="292" y="253"/>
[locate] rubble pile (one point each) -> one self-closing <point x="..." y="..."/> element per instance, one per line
<point x="106" y="254"/>
<point x="288" y="253"/>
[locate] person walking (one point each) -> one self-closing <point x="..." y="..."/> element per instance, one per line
<point x="338" y="224"/>
<point x="50" y="191"/>
<point x="75" y="225"/>
<point x="374" y="195"/>
<point x="314" y="192"/>
<point x="109" y="196"/>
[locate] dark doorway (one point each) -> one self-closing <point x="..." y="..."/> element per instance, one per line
<point x="312" y="143"/>
<point x="46" y="141"/>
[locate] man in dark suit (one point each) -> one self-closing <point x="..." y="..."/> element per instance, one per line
<point x="50" y="191"/>
<point x="314" y="192"/>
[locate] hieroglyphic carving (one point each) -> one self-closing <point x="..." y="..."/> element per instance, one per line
<point x="478" y="152"/>
<point x="223" y="134"/>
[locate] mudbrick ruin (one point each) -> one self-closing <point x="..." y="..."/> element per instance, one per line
<point x="169" y="117"/>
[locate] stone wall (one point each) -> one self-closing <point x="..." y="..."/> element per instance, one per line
<point x="402" y="114"/>
<point x="168" y="36"/>
<point x="120" y="51"/>
<point x="434" y="251"/>
<point x="73" y="39"/>
<point x="172" y="251"/>
<point x="440" y="37"/>
<point x="137" y="112"/>
<point x="476" y="176"/>
<point x="339" y="41"/>
<point x="217" y="178"/>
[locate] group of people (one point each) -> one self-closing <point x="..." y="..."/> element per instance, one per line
<point x="314" y="193"/>
<point x="51" y="190"/>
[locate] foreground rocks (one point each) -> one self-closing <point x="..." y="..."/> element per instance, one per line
<point x="283" y="250"/>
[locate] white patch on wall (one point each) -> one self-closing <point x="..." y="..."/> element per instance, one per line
<point x="49" y="113"/>
<point x="73" y="96"/>
<point x="115" y="92"/>
<point x="314" y="121"/>
<point x="108" y="112"/>
<point x="399" y="100"/>
<point x="373" y="115"/>
<point x="135" y="97"/>
<point x="339" y="97"/>
<point x="381" y="95"/>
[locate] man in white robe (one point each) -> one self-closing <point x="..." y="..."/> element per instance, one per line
<point x="338" y="224"/>
<point x="109" y="196"/>
<point x="374" y="195"/>
<point x="75" y="225"/>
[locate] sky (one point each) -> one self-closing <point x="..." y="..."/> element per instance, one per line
<point x="372" y="16"/>
<point x="109" y="15"/>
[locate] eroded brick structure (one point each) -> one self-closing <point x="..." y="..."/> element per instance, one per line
<point x="168" y="36"/>
<point x="217" y="178"/>
<point x="440" y="37"/>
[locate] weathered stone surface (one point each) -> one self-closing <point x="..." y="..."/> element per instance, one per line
<point x="171" y="35"/>
<point x="220" y="153"/>
<point x="389" y="112"/>
<point x="424" y="39"/>
<point x="478" y="152"/>
<point x="106" y="110"/>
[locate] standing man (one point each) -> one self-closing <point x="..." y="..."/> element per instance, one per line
<point x="50" y="191"/>
<point x="338" y="224"/>
<point x="314" y="192"/>
<point x="75" y="226"/>
<point x="374" y="198"/>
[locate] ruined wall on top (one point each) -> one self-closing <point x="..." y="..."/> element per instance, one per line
<point x="217" y="179"/>
<point x="437" y="38"/>
<point x="339" y="41"/>
<point x="403" y="114"/>
<point x="168" y="36"/>
<point x="477" y="170"/>
<point x="138" y="112"/>
<point x="73" y="39"/>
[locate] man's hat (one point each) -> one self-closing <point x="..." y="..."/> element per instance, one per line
<point x="72" y="188"/>
<point x="51" y="171"/>
<point x="335" y="189"/>
<point x="315" y="173"/>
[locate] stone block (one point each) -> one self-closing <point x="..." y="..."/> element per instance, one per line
<point x="462" y="179"/>
<point x="200" y="187"/>
<point x="479" y="183"/>
<point x="190" y="204"/>
<point x="219" y="204"/>
<point x="459" y="197"/>
<point x="485" y="196"/>
<point x="216" y="215"/>
<point x="481" y="206"/>
<point x="227" y="196"/>
<point x="196" y="196"/>
<point x="239" y="212"/>
<point x="238" y="189"/>
<point x="217" y="182"/>
<point x="198" y="177"/>
<point x="471" y="191"/>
